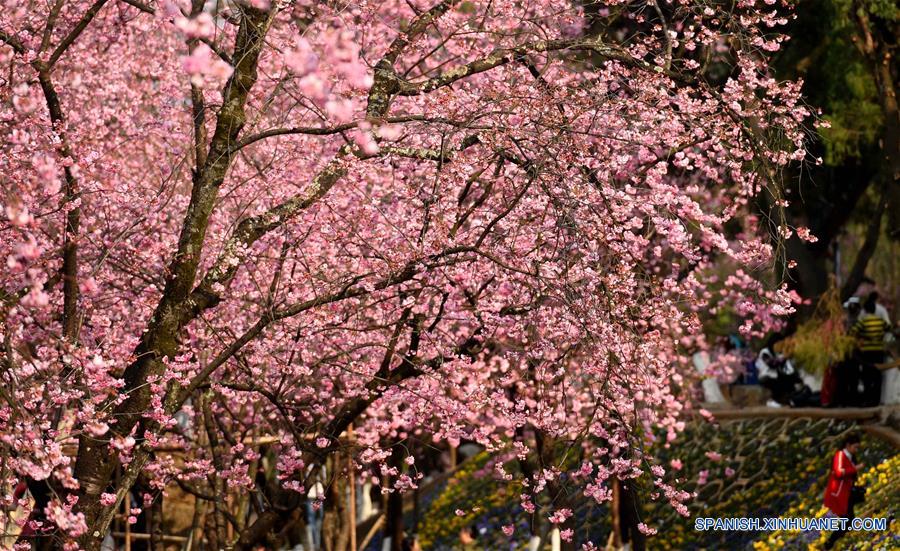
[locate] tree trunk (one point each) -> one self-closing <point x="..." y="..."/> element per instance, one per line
<point x="155" y="524"/>
<point x="335" y="532"/>
<point x="626" y="516"/>
<point x="94" y="465"/>
<point x="873" y="233"/>
<point x="393" y="525"/>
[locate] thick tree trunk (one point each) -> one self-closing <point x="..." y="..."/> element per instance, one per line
<point x="810" y="277"/>
<point x="94" y="464"/>
<point x="335" y="532"/>
<point x="866" y="251"/>
<point x="258" y="531"/>
<point x="197" y="522"/>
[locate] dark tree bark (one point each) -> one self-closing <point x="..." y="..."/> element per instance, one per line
<point x="94" y="464"/>
<point x="335" y="531"/>
<point x="626" y="516"/>
<point x="393" y="520"/>
<point x="866" y="251"/>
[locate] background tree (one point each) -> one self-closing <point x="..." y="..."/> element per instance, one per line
<point x="845" y="52"/>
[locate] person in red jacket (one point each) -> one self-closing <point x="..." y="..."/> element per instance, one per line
<point x="839" y="491"/>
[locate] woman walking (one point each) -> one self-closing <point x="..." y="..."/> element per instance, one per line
<point x="839" y="491"/>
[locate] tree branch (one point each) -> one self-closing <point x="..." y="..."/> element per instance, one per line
<point x="73" y="215"/>
<point x="94" y="465"/>
<point x="141" y="6"/>
<point x="75" y="33"/>
<point x="873" y="232"/>
<point x="14" y="42"/>
<point x="331" y="130"/>
<point x="386" y="82"/>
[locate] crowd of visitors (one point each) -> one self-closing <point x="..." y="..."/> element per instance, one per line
<point x="859" y="380"/>
<point x="867" y="376"/>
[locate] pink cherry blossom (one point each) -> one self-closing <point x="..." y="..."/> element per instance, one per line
<point x="242" y="222"/>
<point x="806" y="235"/>
<point x="301" y="59"/>
<point x="560" y="516"/>
<point x="201" y="26"/>
<point x="205" y="68"/>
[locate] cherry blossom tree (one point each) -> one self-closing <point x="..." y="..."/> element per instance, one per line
<point x="229" y="223"/>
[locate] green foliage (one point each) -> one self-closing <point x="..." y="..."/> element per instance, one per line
<point x="883" y="9"/>
<point x="837" y="77"/>
<point x="821" y="340"/>
<point x="854" y="121"/>
<point x="471" y="490"/>
<point x="775" y="462"/>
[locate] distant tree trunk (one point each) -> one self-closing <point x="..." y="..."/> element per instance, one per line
<point x="625" y="517"/>
<point x="416" y="510"/>
<point x="41" y="493"/>
<point x="155" y="524"/>
<point x="810" y="277"/>
<point x="393" y="525"/>
<point x="196" y="534"/>
<point x="149" y="520"/>
<point x="877" y="42"/>
<point x="873" y="232"/>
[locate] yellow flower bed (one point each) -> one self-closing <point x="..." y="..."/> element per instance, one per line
<point x="473" y="497"/>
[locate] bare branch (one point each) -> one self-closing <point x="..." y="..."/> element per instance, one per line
<point x="504" y="56"/>
<point x="141" y="6"/>
<point x="330" y="130"/>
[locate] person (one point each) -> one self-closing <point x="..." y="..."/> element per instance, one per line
<point x="840" y="388"/>
<point x="712" y="393"/>
<point x="870" y="330"/>
<point x="853" y="306"/>
<point x="844" y="383"/>
<point x="410" y="543"/>
<point x="777" y="374"/>
<point x="466" y="540"/>
<point x="314" y="515"/>
<point x="839" y="494"/>
<point x="865" y="289"/>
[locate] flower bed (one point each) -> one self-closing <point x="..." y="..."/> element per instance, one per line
<point x="471" y="497"/>
<point x="743" y="468"/>
<point x="882" y="482"/>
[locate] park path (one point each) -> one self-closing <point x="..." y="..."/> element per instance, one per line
<point x="880" y="422"/>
